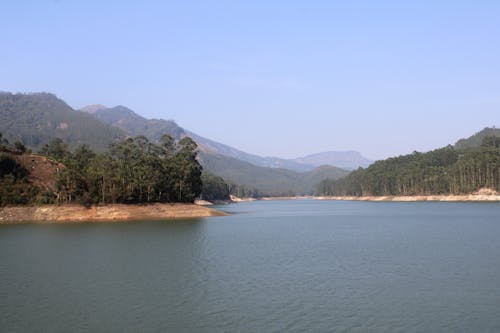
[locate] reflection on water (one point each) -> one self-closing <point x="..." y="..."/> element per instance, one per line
<point x="289" y="266"/>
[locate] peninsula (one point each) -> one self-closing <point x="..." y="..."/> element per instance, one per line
<point x="106" y="213"/>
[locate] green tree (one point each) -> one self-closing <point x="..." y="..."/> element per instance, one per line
<point x="186" y="171"/>
<point x="56" y="149"/>
<point x="214" y="188"/>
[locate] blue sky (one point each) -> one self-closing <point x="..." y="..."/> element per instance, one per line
<point x="275" y="78"/>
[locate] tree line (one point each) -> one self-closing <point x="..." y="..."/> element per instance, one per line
<point x="134" y="170"/>
<point x="441" y="171"/>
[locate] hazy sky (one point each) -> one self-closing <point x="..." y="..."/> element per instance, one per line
<point x="281" y="78"/>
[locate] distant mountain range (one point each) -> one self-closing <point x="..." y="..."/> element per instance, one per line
<point x="272" y="176"/>
<point x="130" y="122"/>
<point x="342" y="159"/>
<point x="35" y="119"/>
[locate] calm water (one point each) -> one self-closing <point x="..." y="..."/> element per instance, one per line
<point x="282" y="266"/>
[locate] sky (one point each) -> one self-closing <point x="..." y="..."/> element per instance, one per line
<point x="273" y="78"/>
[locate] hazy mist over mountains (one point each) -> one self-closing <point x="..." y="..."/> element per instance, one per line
<point x="131" y="122"/>
<point x="36" y="119"/>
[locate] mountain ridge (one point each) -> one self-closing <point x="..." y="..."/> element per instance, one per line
<point x="229" y="165"/>
<point x="348" y="159"/>
<point x="477" y="138"/>
<point x="37" y="118"/>
<point x="135" y="124"/>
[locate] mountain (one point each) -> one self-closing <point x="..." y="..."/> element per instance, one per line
<point x="476" y="140"/>
<point x="36" y="119"/>
<point x="343" y="159"/>
<point x="93" y="108"/>
<point x="349" y="160"/>
<point x="134" y="124"/>
<point x="271" y="176"/>
<point x="472" y="165"/>
<point x="269" y="181"/>
<point x="214" y="147"/>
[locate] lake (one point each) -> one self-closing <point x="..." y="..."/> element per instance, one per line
<point x="272" y="266"/>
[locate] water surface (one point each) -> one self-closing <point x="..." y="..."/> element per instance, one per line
<point x="279" y="266"/>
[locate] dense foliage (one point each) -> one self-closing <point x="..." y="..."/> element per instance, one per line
<point x="14" y="185"/>
<point x="246" y="177"/>
<point x="135" y="125"/>
<point x="441" y="171"/>
<point x="477" y="139"/>
<point x="214" y="188"/>
<point x="131" y="171"/>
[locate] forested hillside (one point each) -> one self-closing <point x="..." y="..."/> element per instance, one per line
<point x="35" y="119"/>
<point x="134" y="170"/>
<point x="244" y="178"/>
<point x="135" y="125"/>
<point x="476" y="140"/>
<point x="441" y="171"/>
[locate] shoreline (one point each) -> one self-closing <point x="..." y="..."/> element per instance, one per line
<point x="107" y="213"/>
<point x="298" y="197"/>
<point x="418" y="198"/>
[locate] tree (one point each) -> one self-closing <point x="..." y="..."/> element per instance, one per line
<point x="82" y="157"/>
<point x="20" y="147"/>
<point x="214" y="188"/>
<point x="56" y="149"/>
<point x="186" y="171"/>
<point x="491" y="141"/>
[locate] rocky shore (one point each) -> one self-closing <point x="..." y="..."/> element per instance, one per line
<point x="107" y="213"/>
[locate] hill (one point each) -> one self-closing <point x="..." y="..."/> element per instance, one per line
<point x="269" y="181"/>
<point x="346" y="160"/>
<point x="134" y="124"/>
<point x="476" y="140"/>
<point x="448" y="170"/>
<point x="270" y="176"/>
<point x="27" y="178"/>
<point x="218" y="148"/>
<point x="35" y="119"/>
<point x="93" y="108"/>
<point x="343" y="159"/>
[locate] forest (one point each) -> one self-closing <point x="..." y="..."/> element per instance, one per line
<point x="448" y="170"/>
<point x="134" y="170"/>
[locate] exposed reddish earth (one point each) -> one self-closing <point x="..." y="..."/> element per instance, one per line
<point x="43" y="171"/>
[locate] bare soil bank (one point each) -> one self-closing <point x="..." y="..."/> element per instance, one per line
<point x="108" y="213"/>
